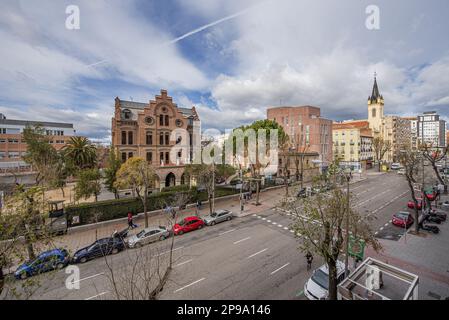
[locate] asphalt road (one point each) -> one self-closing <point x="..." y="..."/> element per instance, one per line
<point x="253" y="257"/>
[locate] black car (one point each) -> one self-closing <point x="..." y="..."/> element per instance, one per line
<point x="99" y="248"/>
<point x="302" y="193"/>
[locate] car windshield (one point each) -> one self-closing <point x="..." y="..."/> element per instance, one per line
<point x="321" y="279"/>
<point x="181" y="223"/>
<point x="213" y="214"/>
<point x="141" y="234"/>
<point x="402" y="216"/>
<point x="92" y="247"/>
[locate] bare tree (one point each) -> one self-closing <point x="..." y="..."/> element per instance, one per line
<point x="319" y="222"/>
<point x="380" y="148"/>
<point x="435" y="155"/>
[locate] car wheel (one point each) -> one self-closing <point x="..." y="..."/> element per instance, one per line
<point x="138" y="245"/>
<point x="200" y="226"/>
<point x="180" y="232"/>
<point x="114" y="251"/>
<point x="161" y="238"/>
<point x="59" y="266"/>
<point x="83" y="260"/>
<point x="212" y="223"/>
<point x="228" y="218"/>
<point x="23" y="275"/>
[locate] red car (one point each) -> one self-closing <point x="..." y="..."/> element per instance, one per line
<point x="188" y="224"/>
<point x="411" y="204"/>
<point x="431" y="196"/>
<point x="402" y="219"/>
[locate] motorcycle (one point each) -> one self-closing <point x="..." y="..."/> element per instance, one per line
<point x="429" y="228"/>
<point x="432" y="218"/>
<point x="438" y="214"/>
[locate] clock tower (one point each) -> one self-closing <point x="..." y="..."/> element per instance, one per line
<point x="375" y="109"/>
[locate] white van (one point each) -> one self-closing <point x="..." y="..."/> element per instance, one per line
<point x="316" y="288"/>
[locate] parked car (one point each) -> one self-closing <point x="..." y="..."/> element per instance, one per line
<point x="188" y="224"/>
<point x="46" y="261"/>
<point x="401" y="171"/>
<point x="302" y="193"/>
<point x="316" y="288"/>
<point x="411" y="204"/>
<point x="402" y="219"/>
<point x="100" y="248"/>
<point x="217" y="217"/>
<point x="431" y="195"/>
<point x="395" y="166"/>
<point x="147" y="236"/>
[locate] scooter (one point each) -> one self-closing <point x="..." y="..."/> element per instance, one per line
<point x="429" y="228"/>
<point x="439" y="214"/>
<point x="432" y="218"/>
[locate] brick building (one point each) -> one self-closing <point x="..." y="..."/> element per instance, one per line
<point x="13" y="147"/>
<point x="149" y="130"/>
<point x="308" y="132"/>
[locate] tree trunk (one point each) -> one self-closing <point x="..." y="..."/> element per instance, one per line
<point x="63" y="193"/>
<point x="302" y="171"/>
<point x="257" y="192"/>
<point x="210" y="203"/>
<point x="416" y="224"/>
<point x="2" y="280"/>
<point x="332" y="280"/>
<point x="286" y="185"/>
<point x="145" y="207"/>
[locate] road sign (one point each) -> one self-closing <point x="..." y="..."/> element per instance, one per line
<point x="356" y="248"/>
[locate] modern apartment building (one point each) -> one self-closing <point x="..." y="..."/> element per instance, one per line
<point x="13" y="147"/>
<point x="353" y="143"/>
<point x="397" y="130"/>
<point x="431" y="129"/>
<point x="308" y="132"/>
<point x="145" y="130"/>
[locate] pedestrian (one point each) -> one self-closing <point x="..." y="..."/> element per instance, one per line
<point x="309" y="258"/>
<point x="173" y="213"/>
<point x="131" y="224"/>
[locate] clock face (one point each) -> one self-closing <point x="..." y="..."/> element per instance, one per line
<point x="178" y="123"/>
<point x="149" y="120"/>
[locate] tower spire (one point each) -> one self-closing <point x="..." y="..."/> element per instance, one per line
<point x="375" y="93"/>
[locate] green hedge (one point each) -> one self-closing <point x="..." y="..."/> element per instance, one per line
<point x="119" y="208"/>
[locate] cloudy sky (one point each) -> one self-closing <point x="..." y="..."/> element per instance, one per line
<point x="230" y="58"/>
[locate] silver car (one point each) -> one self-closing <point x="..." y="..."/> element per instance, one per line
<point x="217" y="217"/>
<point x="147" y="236"/>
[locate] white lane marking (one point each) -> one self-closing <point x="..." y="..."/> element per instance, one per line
<point x="386" y="224"/>
<point x="242" y="240"/>
<point x="255" y="254"/>
<point x="274" y="223"/>
<point x="254" y="215"/>
<point x="180" y="264"/>
<point x="375" y="233"/>
<point x="381" y="228"/>
<point x="390" y="221"/>
<point x="264" y="218"/>
<point x="389" y="202"/>
<point x="97" y="295"/>
<point x="268" y="220"/>
<point x="92" y="276"/>
<point x="220" y="234"/>
<point x="285" y="228"/>
<point x="280" y="268"/>
<point x="280" y="225"/>
<point x="178" y="248"/>
<point x="368" y="200"/>
<point x="191" y="284"/>
<point x="259" y="217"/>
<point x="292" y="231"/>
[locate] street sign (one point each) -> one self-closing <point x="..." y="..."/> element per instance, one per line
<point x="356" y="248"/>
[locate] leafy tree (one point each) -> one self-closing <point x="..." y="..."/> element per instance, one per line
<point x="224" y="171"/>
<point x="204" y="175"/>
<point x="114" y="164"/>
<point x="139" y="175"/>
<point x="82" y="152"/>
<point x="380" y="148"/>
<point x="319" y="225"/>
<point x="40" y="154"/>
<point x="88" y="184"/>
<point x="255" y="168"/>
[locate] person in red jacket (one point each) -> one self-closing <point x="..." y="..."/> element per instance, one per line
<point x="130" y="221"/>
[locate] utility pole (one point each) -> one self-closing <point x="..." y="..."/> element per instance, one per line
<point x="213" y="185"/>
<point x="241" y="189"/>
<point x="347" y="227"/>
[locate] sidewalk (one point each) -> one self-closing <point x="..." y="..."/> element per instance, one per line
<point x="425" y="255"/>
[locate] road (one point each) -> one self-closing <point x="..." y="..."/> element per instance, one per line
<point x="252" y="257"/>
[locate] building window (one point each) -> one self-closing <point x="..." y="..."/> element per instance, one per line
<point x="167" y="120"/>
<point x="130" y="137"/>
<point x="373" y="112"/>
<point x="130" y="155"/>
<point x="149" y="138"/>
<point x="167" y="157"/>
<point x="161" y="138"/>
<point x="161" y="120"/>
<point x="123" y="156"/>
<point x="167" y="138"/>
<point x="123" y="137"/>
<point x="150" y="156"/>
<point x="162" y="157"/>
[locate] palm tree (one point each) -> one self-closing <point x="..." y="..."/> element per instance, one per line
<point x="82" y="152"/>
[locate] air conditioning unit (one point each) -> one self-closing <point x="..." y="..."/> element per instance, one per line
<point x="373" y="278"/>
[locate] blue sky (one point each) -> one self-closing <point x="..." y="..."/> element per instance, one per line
<point x="289" y="52"/>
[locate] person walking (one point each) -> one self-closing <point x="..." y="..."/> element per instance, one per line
<point x="309" y="258"/>
<point x="131" y="224"/>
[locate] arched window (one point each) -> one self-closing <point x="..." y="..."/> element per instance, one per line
<point x="373" y="112"/>
<point x="166" y="120"/>
<point x="161" y="119"/>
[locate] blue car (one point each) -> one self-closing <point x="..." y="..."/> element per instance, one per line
<point x="46" y="261"/>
